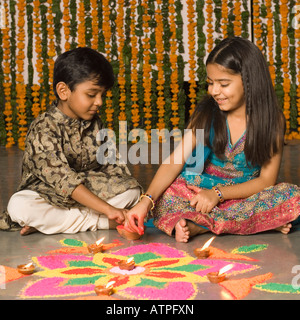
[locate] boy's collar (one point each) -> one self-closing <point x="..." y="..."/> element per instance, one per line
<point x="63" y="118"/>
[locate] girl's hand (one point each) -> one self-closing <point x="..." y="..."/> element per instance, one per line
<point x="117" y="214"/>
<point x="204" y="200"/>
<point x="135" y="217"/>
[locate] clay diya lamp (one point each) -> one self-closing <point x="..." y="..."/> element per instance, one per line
<point x="96" y="247"/>
<point x="204" y="252"/>
<point x="128" y="234"/>
<point x="105" y="290"/>
<point x="215" y="277"/>
<point x="128" y="264"/>
<point x="219" y="276"/>
<point x="26" y="268"/>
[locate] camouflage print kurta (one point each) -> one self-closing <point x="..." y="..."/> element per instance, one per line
<point x="60" y="154"/>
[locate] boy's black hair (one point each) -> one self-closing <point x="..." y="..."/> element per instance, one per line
<point x="82" y="64"/>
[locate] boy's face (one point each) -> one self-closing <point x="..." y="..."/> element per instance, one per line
<point x="83" y="102"/>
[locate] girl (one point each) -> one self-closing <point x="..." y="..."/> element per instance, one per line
<point x="64" y="189"/>
<point x="243" y="134"/>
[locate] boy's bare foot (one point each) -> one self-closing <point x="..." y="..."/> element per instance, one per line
<point x="285" y="229"/>
<point x="186" y="229"/>
<point x="27" y="230"/>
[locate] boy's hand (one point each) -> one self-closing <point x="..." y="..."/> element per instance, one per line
<point x="117" y="214"/>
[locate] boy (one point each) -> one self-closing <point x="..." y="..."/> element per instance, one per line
<point x="63" y="188"/>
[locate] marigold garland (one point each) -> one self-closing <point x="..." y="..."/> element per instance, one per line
<point x="181" y="64"/>
<point x="201" y="52"/>
<point x="38" y="40"/>
<point x="13" y="53"/>
<point x="106" y="27"/>
<point x="146" y="72"/>
<point x="294" y="134"/>
<point x="36" y="109"/>
<point x="45" y="87"/>
<point x="173" y="59"/>
<point x="270" y="39"/>
<point x="114" y="59"/>
<point x="135" y="117"/>
<point x="297" y="36"/>
<point x="192" y="53"/>
<point x="109" y="111"/>
<point x="95" y="26"/>
<point x="284" y="10"/>
<point x="224" y="18"/>
<point x="7" y="83"/>
<point x="30" y="51"/>
<point x="51" y="49"/>
<point x="257" y="24"/>
<point x="20" y="86"/>
<point x="81" y="24"/>
<point x="238" y="18"/>
<point x="278" y="53"/>
<point x="121" y="74"/>
<point x="159" y="63"/>
<point x="209" y="27"/>
<point x="66" y="24"/>
<point x="292" y="72"/>
<point x="36" y="101"/>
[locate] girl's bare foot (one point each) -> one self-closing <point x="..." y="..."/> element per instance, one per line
<point x="27" y="230"/>
<point x="182" y="232"/>
<point x="186" y="229"/>
<point x="285" y="229"/>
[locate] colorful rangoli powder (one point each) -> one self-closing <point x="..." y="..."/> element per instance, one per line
<point x="250" y="249"/>
<point x="240" y="288"/>
<point x="162" y="272"/>
<point x="8" y="274"/>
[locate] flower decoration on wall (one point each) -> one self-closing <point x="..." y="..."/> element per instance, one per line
<point x="158" y="76"/>
<point x="8" y="112"/>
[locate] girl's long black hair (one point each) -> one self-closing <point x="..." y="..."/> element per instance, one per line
<point x="265" y="120"/>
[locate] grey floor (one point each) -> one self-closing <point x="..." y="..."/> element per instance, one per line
<point x="282" y="254"/>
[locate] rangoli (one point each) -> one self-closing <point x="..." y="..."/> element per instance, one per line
<point x="162" y="272"/>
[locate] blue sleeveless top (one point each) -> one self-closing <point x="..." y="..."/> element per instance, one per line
<point x="232" y="169"/>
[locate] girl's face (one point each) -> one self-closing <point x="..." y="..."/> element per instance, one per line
<point x="83" y="102"/>
<point x="226" y="88"/>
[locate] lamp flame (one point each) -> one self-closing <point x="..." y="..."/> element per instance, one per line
<point x="207" y="243"/>
<point x="110" y="284"/>
<point x="28" y="265"/>
<point x="226" y="268"/>
<point x="98" y="242"/>
<point x="129" y="260"/>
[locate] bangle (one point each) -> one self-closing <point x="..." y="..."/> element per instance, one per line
<point x="219" y="194"/>
<point x="146" y="195"/>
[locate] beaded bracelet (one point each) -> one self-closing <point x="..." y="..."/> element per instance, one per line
<point x="219" y="193"/>
<point x="146" y="195"/>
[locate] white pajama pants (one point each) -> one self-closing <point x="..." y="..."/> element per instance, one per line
<point x="27" y="208"/>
